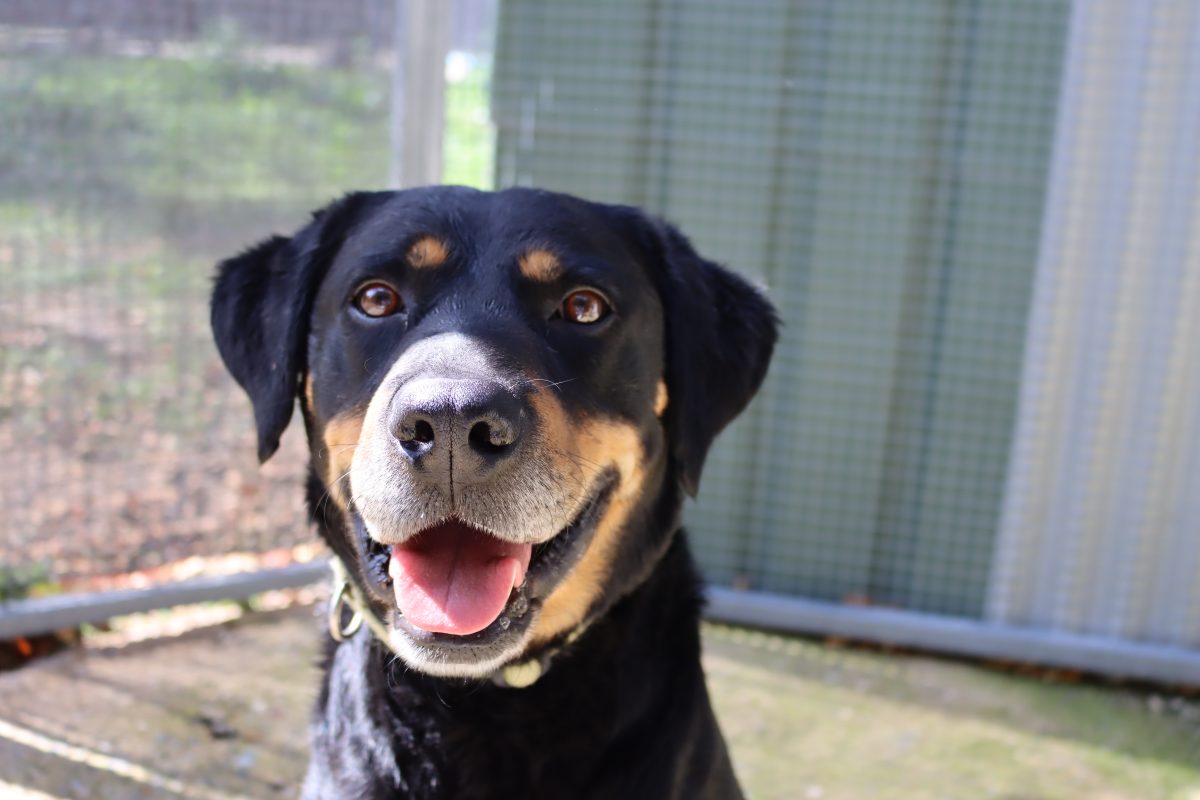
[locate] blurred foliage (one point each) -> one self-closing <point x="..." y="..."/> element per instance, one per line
<point x="200" y="128"/>
<point x="21" y="581"/>
<point x="214" y="126"/>
<point x="470" y="140"/>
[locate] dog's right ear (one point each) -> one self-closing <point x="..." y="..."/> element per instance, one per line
<point x="261" y="305"/>
<point x="720" y="333"/>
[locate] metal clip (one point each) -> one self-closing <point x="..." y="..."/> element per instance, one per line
<point x="341" y="598"/>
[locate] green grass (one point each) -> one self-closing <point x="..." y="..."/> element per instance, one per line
<point x="142" y="143"/>
<point x="470" y="143"/>
<point x="200" y="129"/>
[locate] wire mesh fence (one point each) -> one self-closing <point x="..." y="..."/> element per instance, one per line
<point x="881" y="168"/>
<point x="978" y="221"/>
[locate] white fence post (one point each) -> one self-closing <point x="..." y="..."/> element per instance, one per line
<point x="422" y="40"/>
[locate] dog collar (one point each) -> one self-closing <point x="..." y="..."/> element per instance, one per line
<point x="346" y="595"/>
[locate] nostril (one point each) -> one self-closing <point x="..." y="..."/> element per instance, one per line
<point x="415" y="436"/>
<point x="491" y="436"/>
<point x="423" y="432"/>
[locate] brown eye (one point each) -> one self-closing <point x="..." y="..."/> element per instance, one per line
<point x="377" y="300"/>
<point x="584" y="306"/>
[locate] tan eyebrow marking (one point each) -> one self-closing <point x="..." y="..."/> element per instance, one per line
<point x="660" y="399"/>
<point x="540" y="265"/>
<point x="426" y="252"/>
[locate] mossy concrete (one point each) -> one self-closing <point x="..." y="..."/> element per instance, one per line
<point x="807" y="720"/>
<point x="222" y="713"/>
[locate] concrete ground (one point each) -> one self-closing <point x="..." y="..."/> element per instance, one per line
<point x="220" y="713"/>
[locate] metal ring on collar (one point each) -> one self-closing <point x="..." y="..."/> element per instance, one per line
<point x="341" y="598"/>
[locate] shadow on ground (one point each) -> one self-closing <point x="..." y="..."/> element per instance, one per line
<point x="221" y="713"/>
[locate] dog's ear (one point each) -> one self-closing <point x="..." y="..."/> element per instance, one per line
<point x="720" y="333"/>
<point x="261" y="304"/>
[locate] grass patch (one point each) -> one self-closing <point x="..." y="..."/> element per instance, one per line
<point x="156" y="129"/>
<point x="105" y="149"/>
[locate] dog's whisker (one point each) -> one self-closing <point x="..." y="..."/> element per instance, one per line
<point x="549" y="383"/>
<point x="326" y="495"/>
<point x="580" y="461"/>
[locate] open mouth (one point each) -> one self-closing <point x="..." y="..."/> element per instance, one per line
<point x="453" y="578"/>
<point x="456" y="585"/>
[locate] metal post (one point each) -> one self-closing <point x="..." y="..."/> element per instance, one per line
<point x="422" y="40"/>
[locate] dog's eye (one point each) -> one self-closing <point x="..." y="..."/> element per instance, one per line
<point x="377" y="300"/>
<point x="584" y="306"/>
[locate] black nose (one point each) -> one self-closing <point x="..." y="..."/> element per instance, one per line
<point x="465" y="430"/>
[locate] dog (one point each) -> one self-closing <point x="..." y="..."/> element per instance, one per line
<point x="507" y="397"/>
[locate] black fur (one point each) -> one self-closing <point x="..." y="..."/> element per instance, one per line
<point x="623" y="711"/>
<point x="720" y="334"/>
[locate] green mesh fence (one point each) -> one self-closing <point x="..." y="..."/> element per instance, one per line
<point x="881" y="167"/>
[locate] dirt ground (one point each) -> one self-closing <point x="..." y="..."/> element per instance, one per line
<point x="220" y="713"/>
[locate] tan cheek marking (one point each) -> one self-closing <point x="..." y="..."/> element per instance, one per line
<point x="540" y="265"/>
<point x="660" y="399"/>
<point x="558" y="441"/>
<point x="341" y="436"/>
<point x="426" y="253"/>
<point x="608" y="444"/>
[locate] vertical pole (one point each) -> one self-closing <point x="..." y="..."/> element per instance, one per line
<point x="421" y="41"/>
<point x="396" y="118"/>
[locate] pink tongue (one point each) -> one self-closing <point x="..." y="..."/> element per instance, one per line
<point x="454" y="578"/>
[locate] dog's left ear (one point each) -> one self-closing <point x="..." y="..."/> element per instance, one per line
<point x="720" y="333"/>
<point x="261" y="305"/>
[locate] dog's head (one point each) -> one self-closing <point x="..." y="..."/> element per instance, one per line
<point x="506" y="396"/>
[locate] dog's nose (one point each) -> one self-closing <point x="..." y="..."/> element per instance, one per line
<point x="465" y="428"/>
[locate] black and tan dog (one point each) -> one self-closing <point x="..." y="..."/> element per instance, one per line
<point x="506" y="396"/>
